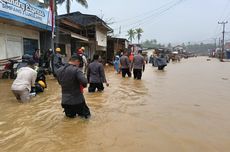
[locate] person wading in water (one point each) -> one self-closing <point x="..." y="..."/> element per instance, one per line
<point x="72" y="79"/>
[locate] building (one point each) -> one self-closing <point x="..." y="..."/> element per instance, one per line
<point x="115" y="46"/>
<point x="75" y="30"/>
<point x="23" y="28"/>
<point x="134" y="48"/>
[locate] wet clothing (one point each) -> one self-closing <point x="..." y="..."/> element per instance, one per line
<point x="96" y="73"/>
<point x="126" y="71"/>
<point x="57" y="62"/>
<point x="22" y="95"/>
<point x="21" y="86"/>
<point x="124" y="61"/>
<point x="96" y="76"/>
<point x="161" y="62"/>
<point x="125" y="66"/>
<point x="138" y="66"/>
<point x="26" y="77"/>
<point x="71" y="79"/>
<point x="138" y="62"/>
<point x="94" y="86"/>
<point x="81" y="110"/>
<point x="137" y="74"/>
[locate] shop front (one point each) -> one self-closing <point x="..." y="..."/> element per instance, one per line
<point x="23" y="28"/>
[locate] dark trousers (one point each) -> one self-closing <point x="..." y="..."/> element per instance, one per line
<point x="81" y="110"/>
<point x="94" y="86"/>
<point x="137" y="73"/>
<point x="126" y="71"/>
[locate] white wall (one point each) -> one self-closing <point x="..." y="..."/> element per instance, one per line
<point x="11" y="40"/>
<point x="101" y="37"/>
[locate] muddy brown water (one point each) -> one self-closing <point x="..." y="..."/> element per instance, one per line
<point x="186" y="108"/>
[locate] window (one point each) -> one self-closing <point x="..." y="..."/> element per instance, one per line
<point x="29" y="46"/>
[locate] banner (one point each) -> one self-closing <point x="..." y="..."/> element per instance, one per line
<point x="26" y="10"/>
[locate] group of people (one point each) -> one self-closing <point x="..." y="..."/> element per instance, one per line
<point x="73" y="80"/>
<point x="73" y="76"/>
<point x="126" y="64"/>
<point x="30" y="78"/>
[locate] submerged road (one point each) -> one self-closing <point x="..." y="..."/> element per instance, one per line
<point x="182" y="109"/>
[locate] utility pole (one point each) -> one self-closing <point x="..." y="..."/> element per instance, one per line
<point x="222" y="50"/>
<point x="215" y="42"/>
<point x="219" y="42"/>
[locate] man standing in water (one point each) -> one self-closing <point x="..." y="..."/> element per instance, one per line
<point x="138" y="65"/>
<point x="96" y="75"/>
<point x="72" y="79"/>
<point x="57" y="61"/>
<point x="125" y="65"/>
<point x="25" y="79"/>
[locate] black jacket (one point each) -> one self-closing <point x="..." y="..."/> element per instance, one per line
<point x="70" y="77"/>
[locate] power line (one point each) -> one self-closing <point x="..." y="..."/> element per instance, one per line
<point x="221" y="16"/>
<point x="145" y="20"/>
<point x="139" y="21"/>
<point x="146" y="13"/>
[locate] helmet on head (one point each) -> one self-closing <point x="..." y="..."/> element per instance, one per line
<point x="58" y="50"/>
<point x="83" y="48"/>
<point x="42" y="84"/>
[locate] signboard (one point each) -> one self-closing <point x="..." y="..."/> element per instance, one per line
<point x="21" y="8"/>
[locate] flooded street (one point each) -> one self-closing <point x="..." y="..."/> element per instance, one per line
<point x="182" y="109"/>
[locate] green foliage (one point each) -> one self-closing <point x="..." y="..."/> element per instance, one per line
<point x="139" y="32"/>
<point x="68" y="3"/>
<point x="151" y="44"/>
<point x="131" y="34"/>
<point x="200" y="48"/>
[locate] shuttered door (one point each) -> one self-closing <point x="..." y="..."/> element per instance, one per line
<point x="2" y="47"/>
<point x="14" y="46"/>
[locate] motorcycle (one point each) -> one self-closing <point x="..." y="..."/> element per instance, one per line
<point x="10" y="70"/>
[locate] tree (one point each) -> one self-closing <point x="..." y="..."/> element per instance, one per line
<point x="139" y="32"/>
<point x="68" y="3"/>
<point x="131" y="34"/>
<point x="154" y="41"/>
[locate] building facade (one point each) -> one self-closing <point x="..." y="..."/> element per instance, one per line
<point x="24" y="27"/>
<point x="115" y="46"/>
<point x="75" y="30"/>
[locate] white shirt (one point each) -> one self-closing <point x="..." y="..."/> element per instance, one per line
<point x="26" y="77"/>
<point x="83" y="69"/>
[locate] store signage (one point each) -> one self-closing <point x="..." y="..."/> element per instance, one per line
<point x="26" y="10"/>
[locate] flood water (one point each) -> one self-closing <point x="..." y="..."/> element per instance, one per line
<point x="185" y="108"/>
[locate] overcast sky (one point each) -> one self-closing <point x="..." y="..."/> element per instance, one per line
<point x="174" y="21"/>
